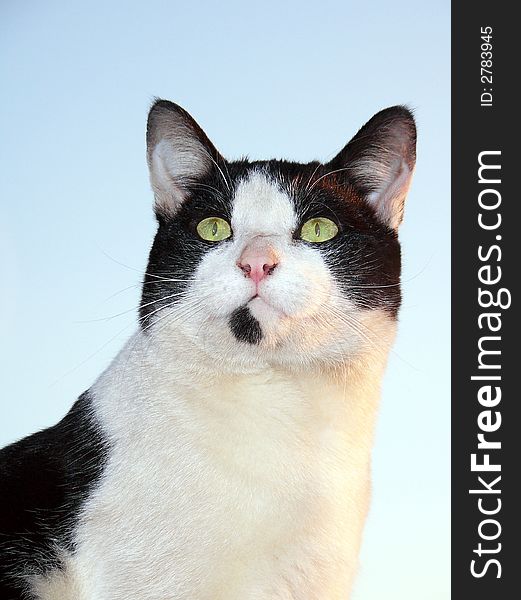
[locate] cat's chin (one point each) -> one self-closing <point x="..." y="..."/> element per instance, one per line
<point x="265" y="313"/>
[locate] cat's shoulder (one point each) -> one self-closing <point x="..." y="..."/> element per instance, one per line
<point x="45" y="478"/>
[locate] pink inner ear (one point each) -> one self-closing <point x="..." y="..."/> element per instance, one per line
<point x="379" y="161"/>
<point x="389" y="201"/>
<point x="178" y="153"/>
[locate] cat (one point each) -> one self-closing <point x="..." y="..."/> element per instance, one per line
<point x="225" y="452"/>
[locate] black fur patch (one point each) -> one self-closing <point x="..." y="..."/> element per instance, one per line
<point x="45" y="479"/>
<point x="245" y="326"/>
<point x="177" y="249"/>
<point x="365" y="255"/>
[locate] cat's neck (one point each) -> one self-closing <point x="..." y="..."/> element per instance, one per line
<point x="149" y="380"/>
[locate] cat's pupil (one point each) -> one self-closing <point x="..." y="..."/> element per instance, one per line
<point x="317" y="229"/>
<point x="214" y="228"/>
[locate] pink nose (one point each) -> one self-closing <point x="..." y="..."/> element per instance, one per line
<point x="257" y="265"/>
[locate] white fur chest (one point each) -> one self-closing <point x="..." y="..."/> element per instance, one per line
<point x="251" y="486"/>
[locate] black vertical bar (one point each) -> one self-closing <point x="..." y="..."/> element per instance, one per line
<point x="485" y="523"/>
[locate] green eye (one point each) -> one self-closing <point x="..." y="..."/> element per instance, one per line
<point x="319" y="229"/>
<point x="214" y="229"/>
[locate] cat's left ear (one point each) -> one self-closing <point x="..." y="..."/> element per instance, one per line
<point x="178" y="153"/>
<point x="379" y="162"/>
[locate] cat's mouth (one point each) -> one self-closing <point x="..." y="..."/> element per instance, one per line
<point x="258" y="300"/>
<point x="251" y="321"/>
<point x="264" y="309"/>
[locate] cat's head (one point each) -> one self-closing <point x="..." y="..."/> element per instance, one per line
<point x="274" y="261"/>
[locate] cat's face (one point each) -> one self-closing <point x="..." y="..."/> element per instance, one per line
<point x="276" y="262"/>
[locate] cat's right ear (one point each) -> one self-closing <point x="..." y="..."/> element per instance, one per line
<point x="379" y="162"/>
<point x="178" y="154"/>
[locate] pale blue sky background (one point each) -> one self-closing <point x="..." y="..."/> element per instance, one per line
<point x="271" y="79"/>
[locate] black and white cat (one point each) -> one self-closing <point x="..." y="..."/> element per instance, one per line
<point x="225" y="453"/>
